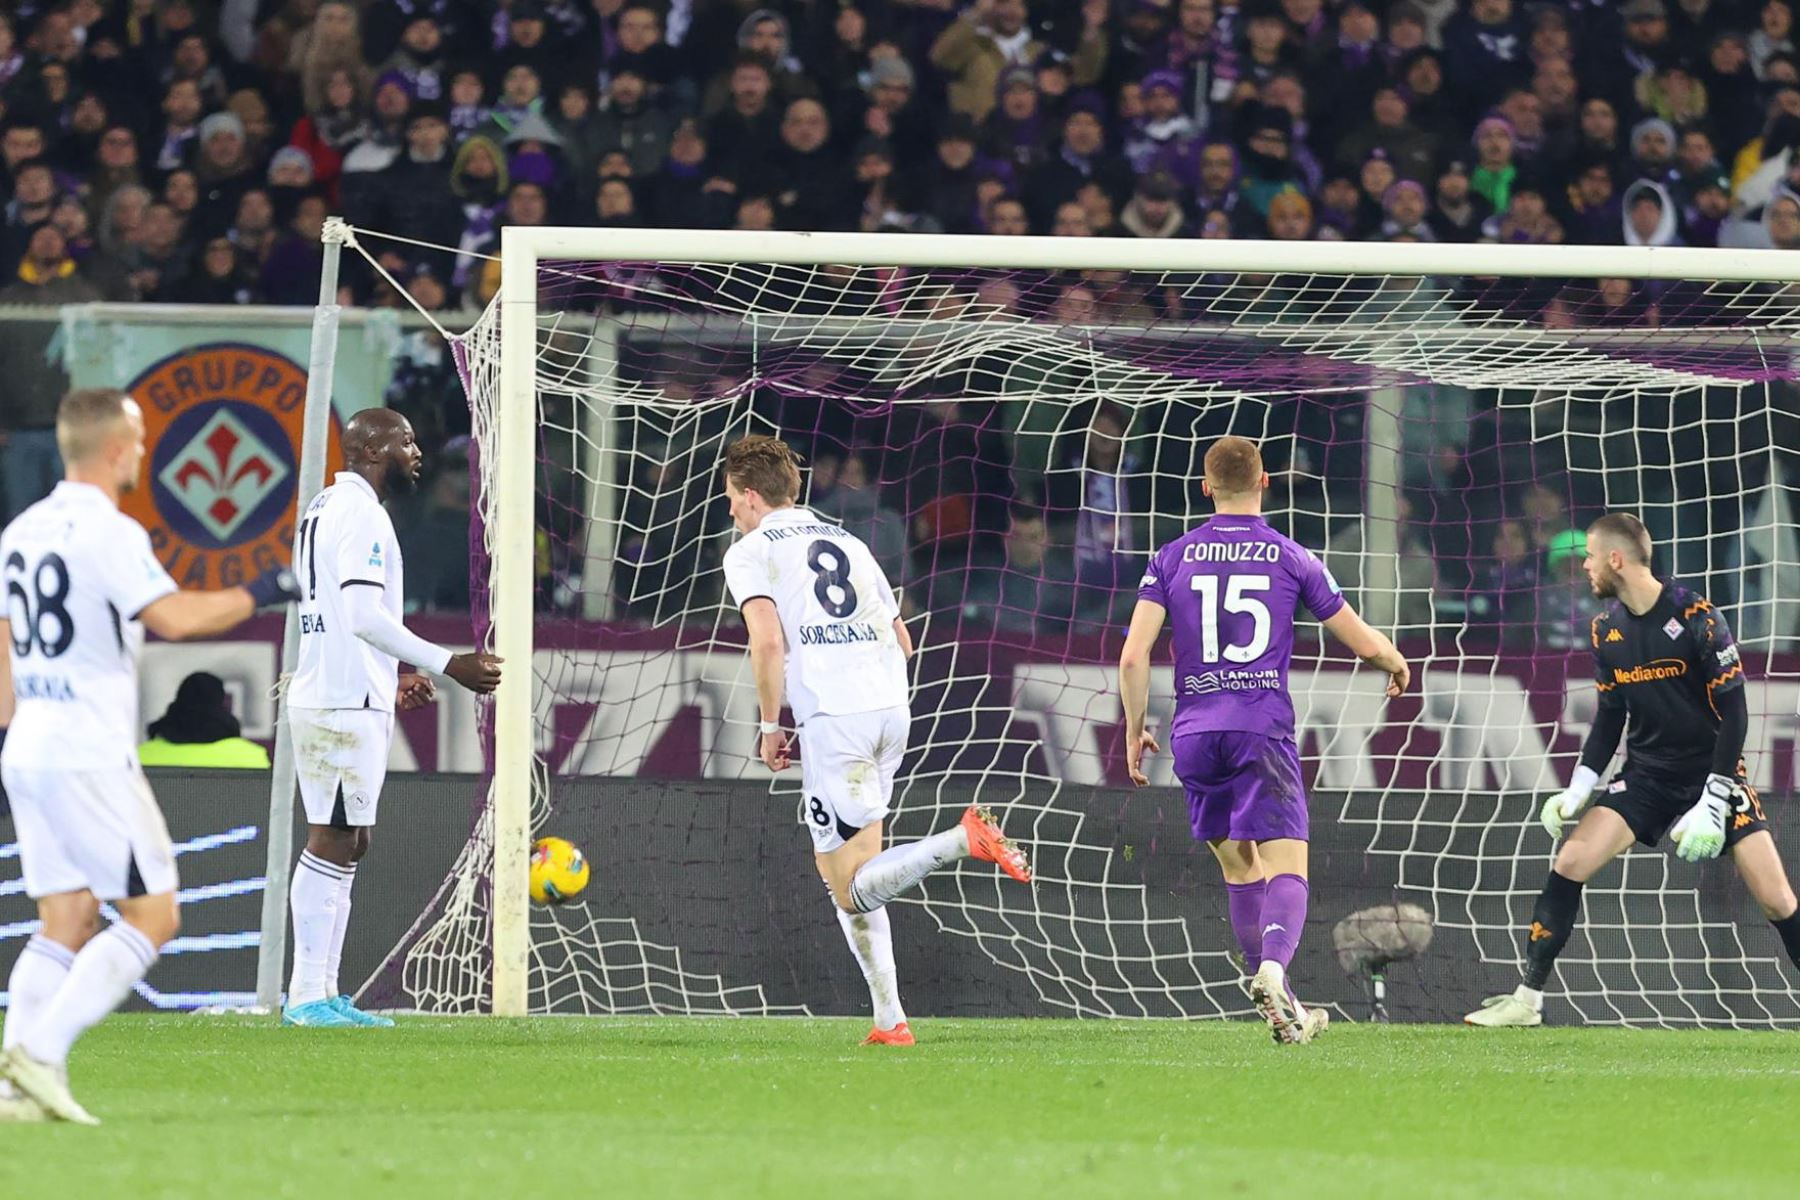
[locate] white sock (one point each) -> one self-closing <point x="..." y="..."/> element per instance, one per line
<point x="40" y="971"/>
<point x="898" y="869"/>
<point x="871" y="939"/>
<point x="335" y="956"/>
<point x="102" y="976"/>
<point x="314" y="902"/>
<point x="1531" y="996"/>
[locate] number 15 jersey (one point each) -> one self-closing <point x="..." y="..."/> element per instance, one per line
<point x="837" y="612"/>
<point x="78" y="572"/>
<point x="1232" y="588"/>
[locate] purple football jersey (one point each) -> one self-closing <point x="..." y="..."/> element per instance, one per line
<point x="1232" y="588"/>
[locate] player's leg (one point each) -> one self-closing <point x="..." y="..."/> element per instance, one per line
<point x="65" y="924"/>
<point x="1244" y="891"/>
<point x="127" y="848"/>
<point x="1603" y="834"/>
<point x="870" y="937"/>
<point x="1759" y="863"/>
<point x="370" y="776"/>
<point x="67" y="910"/>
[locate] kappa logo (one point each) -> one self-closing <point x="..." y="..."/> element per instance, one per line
<point x="1613" y="635"/>
<point x="1268" y="929"/>
<point x="1539" y="933"/>
<point x="222" y="426"/>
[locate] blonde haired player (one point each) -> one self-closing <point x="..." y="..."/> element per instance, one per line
<point x="823" y="620"/>
<point x="346" y="686"/>
<point x="82" y="585"/>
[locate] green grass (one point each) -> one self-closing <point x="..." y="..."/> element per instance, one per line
<point x="205" y="1107"/>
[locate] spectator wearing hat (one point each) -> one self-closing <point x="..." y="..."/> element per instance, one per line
<point x="420" y="57"/>
<point x="945" y="189"/>
<point x="199" y="730"/>
<point x="891" y="109"/>
<point x="1082" y="158"/>
<point x="223" y="168"/>
<point x="1653" y="150"/>
<point x="527" y="42"/>
<point x="415" y="194"/>
<point x="1154" y="210"/>
<point x="1651" y="217"/>
<point x="1164" y="135"/>
<point x="992" y="35"/>
<point x="1015" y="131"/>
<point x="1709" y="203"/>
<point x="1495" y="169"/>
<point x="1268" y="167"/>
<point x="379" y="147"/>
<point x="1457" y="211"/>
<point x="1403" y="212"/>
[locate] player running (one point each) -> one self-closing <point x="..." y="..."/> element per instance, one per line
<point x="813" y="597"/>
<point x="1231" y="589"/>
<point x="82" y="584"/>
<point x="345" y="689"/>
<point x="1664" y="659"/>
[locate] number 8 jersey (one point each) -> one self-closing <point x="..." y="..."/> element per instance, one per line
<point x="1232" y="588"/>
<point x="837" y="612"/>
<point x="78" y="572"/>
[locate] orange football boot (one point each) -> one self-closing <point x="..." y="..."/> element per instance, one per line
<point x="987" y="843"/>
<point x="899" y="1035"/>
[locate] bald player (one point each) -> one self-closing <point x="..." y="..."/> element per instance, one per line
<point x="1232" y="590"/>
<point x="83" y="584"/>
<point x="1664" y="662"/>
<point x="345" y="689"/>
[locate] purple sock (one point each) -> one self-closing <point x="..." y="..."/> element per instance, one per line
<point x="1245" y="901"/>
<point x="1283" y="917"/>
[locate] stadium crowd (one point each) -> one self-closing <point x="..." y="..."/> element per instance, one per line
<point x="187" y="150"/>
<point x="190" y="150"/>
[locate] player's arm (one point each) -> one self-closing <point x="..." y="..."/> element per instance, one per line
<point x="1134" y="684"/>
<point x="903" y="635"/>
<point x="1372" y="646"/>
<point x="768" y="652"/>
<point x="1700" y="832"/>
<point x="1597" y="751"/>
<point x="373" y="623"/>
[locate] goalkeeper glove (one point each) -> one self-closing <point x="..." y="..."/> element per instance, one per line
<point x="1700" y="834"/>
<point x="1569" y="803"/>
<point x="277" y="585"/>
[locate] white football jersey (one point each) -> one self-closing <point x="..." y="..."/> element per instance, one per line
<point x="836" y="609"/>
<point x="345" y="539"/>
<point x="78" y="572"/>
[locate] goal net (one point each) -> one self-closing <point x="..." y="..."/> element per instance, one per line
<point x="1013" y="425"/>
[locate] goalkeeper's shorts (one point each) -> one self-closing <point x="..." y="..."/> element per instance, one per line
<point x="1652" y="800"/>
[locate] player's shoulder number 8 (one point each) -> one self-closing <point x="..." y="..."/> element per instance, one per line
<point x="48" y="596"/>
<point x="836" y="577"/>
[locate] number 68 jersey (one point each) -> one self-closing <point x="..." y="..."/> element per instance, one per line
<point x="837" y="612"/>
<point x="78" y="572"/>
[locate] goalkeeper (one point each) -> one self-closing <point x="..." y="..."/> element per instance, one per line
<point x="1664" y="659"/>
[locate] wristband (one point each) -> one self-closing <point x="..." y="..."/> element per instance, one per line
<point x="1585" y="780"/>
<point x="767" y="727"/>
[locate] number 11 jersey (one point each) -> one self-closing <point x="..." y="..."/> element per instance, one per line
<point x="1232" y="588"/>
<point x="78" y="572"/>
<point x="837" y="612"/>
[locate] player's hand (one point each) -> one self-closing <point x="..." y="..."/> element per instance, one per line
<point x="772" y="748"/>
<point x="1564" y="807"/>
<point x="1397" y="680"/>
<point x="1135" y="749"/>
<point x="1700" y="834"/>
<point x="416" y="691"/>
<point x="277" y="585"/>
<point x="478" y="672"/>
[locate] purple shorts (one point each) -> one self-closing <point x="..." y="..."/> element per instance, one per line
<point x="1244" y="786"/>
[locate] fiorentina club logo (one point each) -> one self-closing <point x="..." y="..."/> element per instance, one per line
<point x="222" y="433"/>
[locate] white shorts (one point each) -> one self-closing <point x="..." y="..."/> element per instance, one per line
<point x="97" y="831"/>
<point x="341" y="758"/>
<point x="847" y="768"/>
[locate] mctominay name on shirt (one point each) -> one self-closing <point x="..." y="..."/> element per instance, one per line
<point x="788" y="531"/>
<point x="1231" y="552"/>
<point x="838" y="635"/>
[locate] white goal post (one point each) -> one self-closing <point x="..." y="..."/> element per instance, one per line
<point x="527" y="252"/>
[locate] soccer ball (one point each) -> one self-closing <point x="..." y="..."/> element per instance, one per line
<point x="559" y="871"/>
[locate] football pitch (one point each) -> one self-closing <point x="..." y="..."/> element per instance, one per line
<point x="652" y="1107"/>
